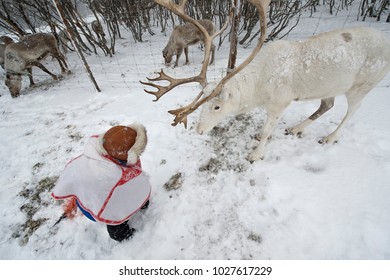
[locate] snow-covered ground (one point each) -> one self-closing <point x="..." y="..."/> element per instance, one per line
<point x="303" y="201"/>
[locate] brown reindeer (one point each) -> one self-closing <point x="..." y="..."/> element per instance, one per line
<point x="21" y="56"/>
<point x="98" y="29"/>
<point x="4" y="42"/>
<point x="186" y="35"/>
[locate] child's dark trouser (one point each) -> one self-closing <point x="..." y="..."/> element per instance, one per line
<point x="120" y="232"/>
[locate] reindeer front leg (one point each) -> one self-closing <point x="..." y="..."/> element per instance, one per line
<point x="186" y="54"/>
<point x="273" y="116"/>
<point x="179" y="51"/>
<point x="29" y="70"/>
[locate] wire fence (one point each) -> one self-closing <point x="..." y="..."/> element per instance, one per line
<point x="134" y="61"/>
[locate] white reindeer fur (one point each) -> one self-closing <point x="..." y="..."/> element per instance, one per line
<point x="346" y="61"/>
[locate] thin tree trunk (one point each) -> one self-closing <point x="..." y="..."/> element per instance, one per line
<point x="69" y="30"/>
<point x="234" y="35"/>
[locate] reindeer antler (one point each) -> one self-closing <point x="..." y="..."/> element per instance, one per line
<point x="182" y="113"/>
<point x="173" y="82"/>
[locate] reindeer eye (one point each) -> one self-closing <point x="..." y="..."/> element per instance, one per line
<point x="217" y="107"/>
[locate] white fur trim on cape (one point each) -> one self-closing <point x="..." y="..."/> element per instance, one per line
<point x="140" y="144"/>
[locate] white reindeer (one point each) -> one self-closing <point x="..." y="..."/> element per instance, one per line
<point x="346" y="61"/>
<point x="21" y="56"/>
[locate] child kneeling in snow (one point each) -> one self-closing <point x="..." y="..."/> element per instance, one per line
<point x="106" y="182"/>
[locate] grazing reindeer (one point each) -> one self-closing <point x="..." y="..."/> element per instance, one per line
<point x="23" y="55"/>
<point x="347" y="61"/>
<point x="98" y="29"/>
<point x="4" y="42"/>
<point x="186" y="35"/>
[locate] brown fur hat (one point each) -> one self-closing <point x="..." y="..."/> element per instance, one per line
<point x="125" y="142"/>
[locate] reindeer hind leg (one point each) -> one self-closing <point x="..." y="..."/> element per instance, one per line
<point x="61" y="61"/>
<point x="44" y="69"/>
<point x="64" y="66"/>
<point x="326" y="105"/>
<point x="354" y="98"/>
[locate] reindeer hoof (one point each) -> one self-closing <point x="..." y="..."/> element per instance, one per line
<point x="292" y="131"/>
<point x="327" y="140"/>
<point x="254" y="157"/>
<point x="251" y="161"/>
<point x="258" y="137"/>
